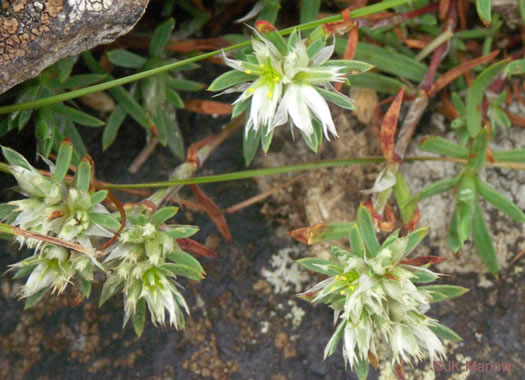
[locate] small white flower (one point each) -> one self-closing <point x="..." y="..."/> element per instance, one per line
<point x="375" y="300"/>
<point x="289" y="82"/>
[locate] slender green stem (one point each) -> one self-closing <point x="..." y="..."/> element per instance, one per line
<point x="288" y="169"/>
<point x="145" y="74"/>
<point x="250" y="173"/>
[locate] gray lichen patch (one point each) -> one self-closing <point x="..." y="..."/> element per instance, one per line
<point x="35" y="34"/>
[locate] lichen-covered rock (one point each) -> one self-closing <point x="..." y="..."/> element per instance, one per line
<point x="36" y="33"/>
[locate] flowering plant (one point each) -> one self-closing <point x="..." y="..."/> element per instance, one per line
<point x="372" y="291"/>
<point x="284" y="81"/>
<point x="65" y="221"/>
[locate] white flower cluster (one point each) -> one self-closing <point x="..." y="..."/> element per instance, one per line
<point x="143" y="262"/>
<point x="288" y="81"/>
<point x="374" y="298"/>
<point x="140" y="263"/>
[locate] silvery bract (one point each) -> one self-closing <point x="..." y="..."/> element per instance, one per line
<point x="372" y="291"/>
<point x="288" y="81"/>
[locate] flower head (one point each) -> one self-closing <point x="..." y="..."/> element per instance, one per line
<point x="146" y="262"/>
<point x="288" y="81"/>
<point x="374" y="297"/>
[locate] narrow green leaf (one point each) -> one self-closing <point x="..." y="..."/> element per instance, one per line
<point x="277" y="39"/>
<point x="338" y="334"/>
<point x="98" y="197"/>
<point x="498" y="200"/>
<point x="361" y="369"/>
<point x="379" y="82"/>
<point x="139" y="317"/>
<point x="319" y="266"/>
<point x="270" y="11"/>
<point x="83" y="176"/>
<point x="435" y="188"/>
<point x="444" y="332"/>
<point x="386" y="60"/>
<point x="458" y="103"/>
<point x="120" y="94"/>
<point x="131" y="106"/>
<point x="35" y="298"/>
<point x="250" y="143"/>
<point x="181" y="257"/>
<point x="185" y="84"/>
<point x="466" y="197"/>
<point x="65" y="153"/>
<point x="266" y="140"/>
<point x="16" y="159"/>
<point x="443" y="292"/>
<point x="512" y="155"/>
<point x="174" y="97"/>
<point x="423" y="277"/>
<point x="517" y="67"/>
<point x="24" y="271"/>
<point x="240" y="107"/>
<point x="104" y="220"/>
<point x="483" y="7"/>
<point x="86" y="287"/>
<point x="180" y="231"/>
<point x="339" y="254"/>
<point x="163" y="214"/>
<point x="229" y="79"/>
<point x="175" y="138"/>
<point x="112" y="285"/>
<point x="483" y="241"/>
<point x="160" y="38"/>
<point x="81" y="80"/>
<point x="79" y="149"/>
<point x="366" y="227"/>
<point x="475" y="96"/>
<point x="415" y="237"/>
<point x="64" y="68"/>
<point x="184" y="270"/>
<point x="454" y="241"/>
<point x="45" y="130"/>
<point x="162" y="125"/>
<point x="112" y="126"/>
<point x="352" y="67"/>
<point x="521" y="4"/>
<point x="309" y="10"/>
<point x="315" y="47"/>
<point x="402" y="195"/>
<point x="77" y="116"/>
<point x="127" y="59"/>
<point x="439" y="145"/>
<point x="337" y="98"/>
<point x="478" y="151"/>
<point x="5" y="210"/>
<point x="356" y="243"/>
